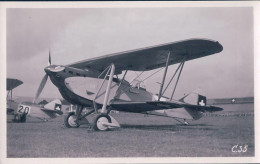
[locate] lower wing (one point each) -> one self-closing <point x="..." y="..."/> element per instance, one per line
<point x="163" y="108"/>
<point x="138" y="107"/>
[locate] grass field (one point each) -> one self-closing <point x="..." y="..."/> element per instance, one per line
<point x="139" y="136"/>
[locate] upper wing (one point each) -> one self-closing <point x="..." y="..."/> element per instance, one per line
<point x="150" y="58"/>
<point x="12" y="83"/>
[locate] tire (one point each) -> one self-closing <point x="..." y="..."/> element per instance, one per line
<point x="97" y="122"/>
<point x="69" y="121"/>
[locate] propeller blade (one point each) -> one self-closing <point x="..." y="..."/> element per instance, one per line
<point x="42" y="84"/>
<point x="49" y="63"/>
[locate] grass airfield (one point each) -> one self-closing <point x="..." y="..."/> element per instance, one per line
<point x="139" y="136"/>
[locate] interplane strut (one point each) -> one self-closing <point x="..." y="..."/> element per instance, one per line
<point x="94" y="103"/>
<point x="177" y="81"/>
<point x="164" y="75"/>
<point x="112" y="71"/>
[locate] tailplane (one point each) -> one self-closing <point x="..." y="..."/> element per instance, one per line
<point x="54" y="105"/>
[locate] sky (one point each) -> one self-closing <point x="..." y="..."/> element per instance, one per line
<point x="72" y="35"/>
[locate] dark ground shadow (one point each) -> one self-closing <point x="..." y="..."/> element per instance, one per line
<point x="167" y="127"/>
<point x="10" y="121"/>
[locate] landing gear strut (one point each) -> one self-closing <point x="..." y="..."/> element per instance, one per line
<point x="73" y="119"/>
<point x="102" y="121"/>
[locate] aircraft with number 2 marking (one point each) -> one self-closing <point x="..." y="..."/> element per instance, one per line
<point x="94" y="84"/>
<point x="43" y="112"/>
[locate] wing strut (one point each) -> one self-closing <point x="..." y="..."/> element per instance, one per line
<point x="112" y="71"/>
<point x="94" y="103"/>
<point x="164" y="75"/>
<point x="117" y="91"/>
<point x="177" y="81"/>
<point x="172" y="78"/>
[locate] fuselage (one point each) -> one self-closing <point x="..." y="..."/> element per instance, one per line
<point x="58" y="74"/>
<point x="81" y="86"/>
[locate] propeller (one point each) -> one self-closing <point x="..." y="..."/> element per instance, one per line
<point x="43" y="82"/>
<point x="49" y="63"/>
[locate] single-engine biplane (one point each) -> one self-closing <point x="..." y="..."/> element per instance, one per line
<point x="94" y="83"/>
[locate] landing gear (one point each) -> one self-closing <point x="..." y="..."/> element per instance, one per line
<point x="19" y="118"/>
<point x="23" y="118"/>
<point x="70" y="121"/>
<point x="101" y="122"/>
<point x="74" y="119"/>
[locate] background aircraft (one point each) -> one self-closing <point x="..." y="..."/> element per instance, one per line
<point x="83" y="83"/>
<point x="10" y="85"/>
<point x="43" y="112"/>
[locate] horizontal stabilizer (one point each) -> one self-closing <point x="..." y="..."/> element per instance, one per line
<point x="210" y="108"/>
<point x="49" y="111"/>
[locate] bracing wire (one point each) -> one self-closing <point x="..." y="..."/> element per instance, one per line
<point x="137" y="76"/>
<point x="153" y="74"/>
<point x="172" y="78"/>
<point x="177" y="81"/>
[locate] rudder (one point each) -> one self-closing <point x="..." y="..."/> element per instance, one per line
<point x="54" y="105"/>
<point x="195" y="98"/>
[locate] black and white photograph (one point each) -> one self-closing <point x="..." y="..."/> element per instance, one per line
<point x="129" y="82"/>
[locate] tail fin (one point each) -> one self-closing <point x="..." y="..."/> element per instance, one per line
<point x="195" y="98"/>
<point x="54" y="105"/>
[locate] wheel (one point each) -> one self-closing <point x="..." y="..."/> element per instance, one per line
<point x="69" y="121"/>
<point x="102" y="118"/>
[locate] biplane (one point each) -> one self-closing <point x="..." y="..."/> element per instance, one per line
<point x="43" y="112"/>
<point x="10" y="85"/>
<point x="94" y="83"/>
